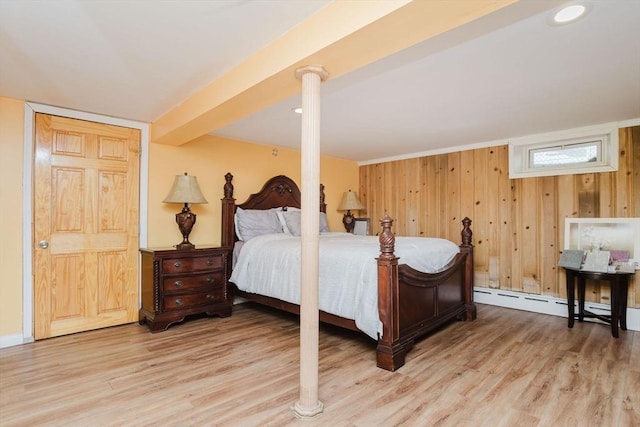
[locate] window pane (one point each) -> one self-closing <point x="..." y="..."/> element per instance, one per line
<point x="565" y="155"/>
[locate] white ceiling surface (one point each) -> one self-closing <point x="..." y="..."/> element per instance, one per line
<point x="508" y="75"/>
<point x="525" y="78"/>
<point x="134" y="59"/>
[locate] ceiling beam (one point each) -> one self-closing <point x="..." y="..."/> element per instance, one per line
<point x="341" y="37"/>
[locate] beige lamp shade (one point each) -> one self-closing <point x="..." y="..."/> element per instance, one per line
<point x="185" y="189"/>
<point x="350" y="201"/>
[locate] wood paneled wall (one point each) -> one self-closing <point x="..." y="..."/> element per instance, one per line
<point x="518" y="224"/>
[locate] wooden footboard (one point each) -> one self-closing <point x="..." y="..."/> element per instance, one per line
<point x="412" y="303"/>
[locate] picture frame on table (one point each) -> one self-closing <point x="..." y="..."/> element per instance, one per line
<point x="361" y="226"/>
<point x="618" y="237"/>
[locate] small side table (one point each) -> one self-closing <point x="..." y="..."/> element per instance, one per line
<point x="619" y="288"/>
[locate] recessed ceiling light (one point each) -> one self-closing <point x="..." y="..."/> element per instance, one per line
<point x="569" y="14"/>
<point x="297" y="110"/>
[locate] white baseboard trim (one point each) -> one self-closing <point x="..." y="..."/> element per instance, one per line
<point x="545" y="304"/>
<point x="12" y="340"/>
<point x="18" y="339"/>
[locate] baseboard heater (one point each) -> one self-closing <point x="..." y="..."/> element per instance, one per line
<point x="546" y="305"/>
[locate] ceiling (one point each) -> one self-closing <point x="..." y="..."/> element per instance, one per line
<point x="506" y="75"/>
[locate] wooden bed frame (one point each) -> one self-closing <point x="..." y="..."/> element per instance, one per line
<point x="410" y="303"/>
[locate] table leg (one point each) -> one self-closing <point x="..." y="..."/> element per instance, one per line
<point x="581" y="296"/>
<point x="570" y="297"/>
<point x="615" y="306"/>
<point x="624" y="291"/>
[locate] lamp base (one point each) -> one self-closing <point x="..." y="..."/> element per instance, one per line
<point x="185" y="246"/>
<point x="348" y="222"/>
<point x="185" y="220"/>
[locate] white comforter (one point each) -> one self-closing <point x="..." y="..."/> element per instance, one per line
<point x="270" y="265"/>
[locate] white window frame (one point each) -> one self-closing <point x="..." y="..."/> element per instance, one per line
<point x="606" y="136"/>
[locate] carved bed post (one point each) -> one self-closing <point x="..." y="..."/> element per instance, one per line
<point x="323" y="205"/>
<point x="390" y="352"/>
<point x="228" y="210"/>
<point x="467" y="247"/>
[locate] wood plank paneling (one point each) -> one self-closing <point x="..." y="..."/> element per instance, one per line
<point x="454" y="188"/>
<point x="413" y="200"/>
<point x="466" y="181"/>
<point x="481" y="201"/>
<point x="493" y="212"/>
<point x="518" y="224"/>
<point x="516" y="237"/>
<point x="529" y="250"/>
<point x="588" y="195"/>
<point x="634" y="135"/>
<point x="565" y="202"/>
<point x="624" y="177"/>
<point x="431" y="196"/>
<point x="549" y="242"/>
<point x="505" y="225"/>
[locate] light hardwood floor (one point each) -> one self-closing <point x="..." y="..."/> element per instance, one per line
<point x="508" y="368"/>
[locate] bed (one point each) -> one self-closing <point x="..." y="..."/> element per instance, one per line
<point x="409" y="303"/>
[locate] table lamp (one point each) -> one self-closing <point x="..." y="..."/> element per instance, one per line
<point x="185" y="190"/>
<point x="349" y="201"/>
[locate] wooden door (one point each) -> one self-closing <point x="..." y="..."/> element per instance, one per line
<point x="86" y="212"/>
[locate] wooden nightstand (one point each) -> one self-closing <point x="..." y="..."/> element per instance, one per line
<point x="178" y="283"/>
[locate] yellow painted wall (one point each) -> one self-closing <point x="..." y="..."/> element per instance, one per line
<point x="208" y="158"/>
<point x="11" y="160"/>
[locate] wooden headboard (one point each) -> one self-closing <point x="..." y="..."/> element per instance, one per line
<point x="279" y="191"/>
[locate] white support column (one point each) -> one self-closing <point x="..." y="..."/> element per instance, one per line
<point x="309" y="405"/>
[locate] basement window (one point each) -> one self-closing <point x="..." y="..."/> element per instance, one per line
<point x="565" y="155"/>
<point x="570" y="152"/>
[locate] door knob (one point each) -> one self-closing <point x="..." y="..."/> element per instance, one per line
<point x="43" y="244"/>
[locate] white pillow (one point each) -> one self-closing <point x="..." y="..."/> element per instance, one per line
<point x="324" y="225"/>
<point x="291" y="220"/>
<point x="256" y="222"/>
<point x="280" y="212"/>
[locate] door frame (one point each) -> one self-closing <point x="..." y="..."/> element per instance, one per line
<point x="30" y="110"/>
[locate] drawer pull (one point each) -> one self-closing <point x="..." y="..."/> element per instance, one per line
<point x="178" y="283"/>
<point x="179" y="301"/>
<point x="209" y="262"/>
<point x="177" y="264"/>
<point x="210" y="297"/>
<point x="210" y="279"/>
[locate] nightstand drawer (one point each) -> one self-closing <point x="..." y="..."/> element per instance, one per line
<point x="180" y="302"/>
<point x="193" y="283"/>
<point x="178" y="265"/>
